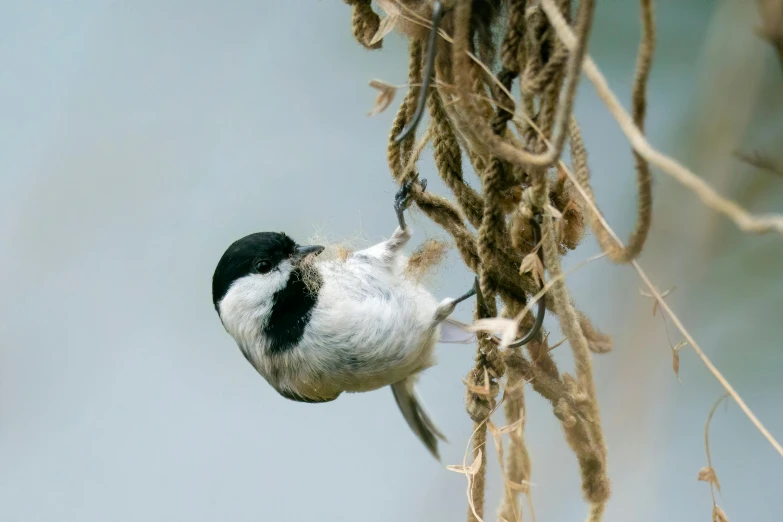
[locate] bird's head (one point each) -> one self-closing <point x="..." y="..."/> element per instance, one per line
<point x="258" y="266"/>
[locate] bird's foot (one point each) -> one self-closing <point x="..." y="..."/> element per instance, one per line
<point x="403" y="197"/>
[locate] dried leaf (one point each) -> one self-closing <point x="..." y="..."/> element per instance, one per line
<point x="558" y="343"/>
<point x="676" y="359"/>
<point x="532" y="263"/>
<point x="476" y="466"/>
<point x="510" y="427"/>
<point x="552" y="211"/>
<point x="523" y="487"/>
<point x="480" y="390"/>
<point x="490" y="325"/>
<point x="492" y="429"/>
<point x="707" y="474"/>
<point x="386" y="26"/>
<point x="390" y="7"/>
<point x="663" y="295"/>
<point x="507" y="328"/>
<point x="718" y="515"/>
<point x="676" y="364"/>
<point x="385" y="96"/>
<point x="509" y="336"/>
<point x="470" y="470"/>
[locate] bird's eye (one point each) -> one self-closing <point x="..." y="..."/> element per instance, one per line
<point x="262" y="266"/>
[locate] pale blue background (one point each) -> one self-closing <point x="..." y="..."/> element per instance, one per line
<point x="139" y="138"/>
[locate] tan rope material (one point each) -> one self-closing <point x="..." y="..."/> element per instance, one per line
<point x="625" y="254"/>
<point x="489" y="367"/>
<point x="515" y="185"/>
<point x="521" y="175"/>
<point x="595" y="483"/>
<point x="365" y="23"/>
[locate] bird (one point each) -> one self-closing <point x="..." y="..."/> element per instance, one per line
<point x="316" y="328"/>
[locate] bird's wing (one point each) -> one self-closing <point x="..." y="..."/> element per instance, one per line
<point x="298" y="397"/>
<point x="415" y="415"/>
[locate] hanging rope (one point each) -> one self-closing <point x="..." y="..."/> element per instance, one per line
<point x="526" y="213"/>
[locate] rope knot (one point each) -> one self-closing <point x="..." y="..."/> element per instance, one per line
<point x="482" y="385"/>
<point x="494" y="362"/>
<point x="478" y="408"/>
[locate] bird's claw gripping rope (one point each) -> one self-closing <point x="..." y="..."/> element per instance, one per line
<point x="536" y="221"/>
<point x="402" y="199"/>
<point x="429" y="68"/>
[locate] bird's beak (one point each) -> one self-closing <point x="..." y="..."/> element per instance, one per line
<point x="303" y="251"/>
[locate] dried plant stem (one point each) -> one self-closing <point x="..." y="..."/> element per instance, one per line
<point x="676" y="320"/>
<point x="711" y="367"/>
<point x="745" y="221"/>
<point x="707" y="441"/>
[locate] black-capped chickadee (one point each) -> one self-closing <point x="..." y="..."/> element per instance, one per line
<point x="317" y="328"/>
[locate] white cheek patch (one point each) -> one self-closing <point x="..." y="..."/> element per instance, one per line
<point x="247" y="304"/>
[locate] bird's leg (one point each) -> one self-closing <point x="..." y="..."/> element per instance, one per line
<point x="401" y="201"/>
<point x="447" y="306"/>
<point x="401" y="236"/>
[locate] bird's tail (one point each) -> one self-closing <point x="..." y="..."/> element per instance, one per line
<point x="415" y="415"/>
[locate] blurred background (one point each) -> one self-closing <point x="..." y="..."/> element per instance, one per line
<point x="140" y="138"/>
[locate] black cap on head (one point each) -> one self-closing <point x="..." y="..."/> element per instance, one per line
<point x="255" y="253"/>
